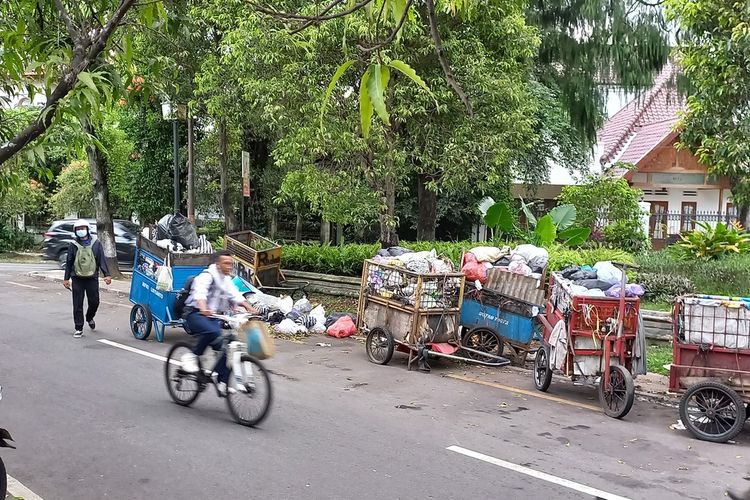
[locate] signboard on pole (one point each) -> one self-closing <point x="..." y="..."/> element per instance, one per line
<point x="245" y="174"/>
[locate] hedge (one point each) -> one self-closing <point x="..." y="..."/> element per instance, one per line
<point x="346" y="260"/>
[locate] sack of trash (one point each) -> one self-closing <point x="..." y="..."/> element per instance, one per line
<point x="176" y="233"/>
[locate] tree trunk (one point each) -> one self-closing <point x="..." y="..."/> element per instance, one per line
<point x="743" y="214"/>
<point x="388" y="234"/>
<point x="427" y="201"/>
<point x="274" y="225"/>
<point x="190" y="172"/>
<point x="298" y="229"/>
<point x="230" y="219"/>
<point x="325" y="231"/>
<point x="105" y="229"/>
<point x="339" y="234"/>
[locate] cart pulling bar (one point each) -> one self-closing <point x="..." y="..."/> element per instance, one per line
<point x="500" y="360"/>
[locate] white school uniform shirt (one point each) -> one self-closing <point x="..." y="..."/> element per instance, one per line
<point x="216" y="288"/>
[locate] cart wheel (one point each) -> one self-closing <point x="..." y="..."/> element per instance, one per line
<point x="618" y="399"/>
<point x="542" y="371"/>
<point x="712" y="412"/>
<point x="141" y="321"/>
<point x="484" y="340"/>
<point x="379" y="345"/>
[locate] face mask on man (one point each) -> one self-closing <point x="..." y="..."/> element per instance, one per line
<point x="82" y="233"/>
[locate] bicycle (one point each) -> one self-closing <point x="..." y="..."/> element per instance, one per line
<point x="251" y="385"/>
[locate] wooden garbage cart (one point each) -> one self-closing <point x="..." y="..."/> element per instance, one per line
<point x="258" y="261"/>
<point x="414" y="313"/>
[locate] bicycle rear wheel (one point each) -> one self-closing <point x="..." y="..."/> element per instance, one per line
<point x="250" y="393"/>
<point x="183" y="387"/>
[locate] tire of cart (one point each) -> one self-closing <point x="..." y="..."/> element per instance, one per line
<point x="617" y="400"/>
<point x="380" y="345"/>
<point x="483" y="339"/>
<point x="141" y="321"/>
<point x="713" y="411"/>
<point x="542" y="370"/>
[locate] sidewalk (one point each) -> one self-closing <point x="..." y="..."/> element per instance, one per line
<point x="120" y="287"/>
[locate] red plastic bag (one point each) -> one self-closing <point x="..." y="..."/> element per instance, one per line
<point x="474" y="270"/>
<point x="343" y="327"/>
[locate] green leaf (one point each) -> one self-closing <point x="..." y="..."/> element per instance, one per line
<point x="408" y="71"/>
<point x="375" y="90"/>
<point x="545" y="231"/>
<point x="528" y="213"/>
<point x="336" y="76"/>
<point x="499" y="217"/>
<point x="365" y="105"/>
<point x="574" y="236"/>
<point x="563" y="216"/>
<point x="86" y="78"/>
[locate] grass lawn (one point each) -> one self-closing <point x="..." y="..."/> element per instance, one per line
<point x="658" y="355"/>
<point x="656" y="306"/>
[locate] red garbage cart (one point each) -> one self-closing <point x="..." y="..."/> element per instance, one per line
<point x="711" y="364"/>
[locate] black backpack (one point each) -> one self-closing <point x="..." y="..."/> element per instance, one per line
<point x="179" y="304"/>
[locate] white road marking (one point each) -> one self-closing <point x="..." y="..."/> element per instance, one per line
<point x="21" y="284"/>
<point x="132" y="349"/>
<point x="582" y="488"/>
<point x="16" y="489"/>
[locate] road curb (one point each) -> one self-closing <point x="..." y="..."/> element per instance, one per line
<point x="42" y="276"/>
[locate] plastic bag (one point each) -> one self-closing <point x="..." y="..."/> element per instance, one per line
<point x="289" y="327"/>
<point x="408" y="257"/>
<point x="519" y="267"/>
<point x="259" y="342"/>
<point x="440" y="266"/>
<point x="286" y="304"/>
<point x="164" y="278"/>
<point x="182" y="231"/>
<point x="343" y="327"/>
<point x="605" y="271"/>
<point x="162" y="228"/>
<point x="534" y="255"/>
<point x="486" y="254"/>
<point x="474" y="270"/>
<point x="419" y="266"/>
<point x="592" y="284"/>
<point x="303" y="305"/>
<point x="330" y="320"/>
<point x="631" y="290"/>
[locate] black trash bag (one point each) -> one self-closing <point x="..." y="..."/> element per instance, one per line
<point x="569" y="271"/>
<point x="183" y="232"/>
<point x="398" y="251"/>
<point x="275" y="317"/>
<point x="591" y="284"/>
<point x="502" y="262"/>
<point x="162" y="228"/>
<point x="583" y="275"/>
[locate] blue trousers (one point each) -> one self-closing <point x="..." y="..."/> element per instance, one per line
<point x="208" y="331"/>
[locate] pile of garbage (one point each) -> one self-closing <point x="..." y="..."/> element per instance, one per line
<point x="526" y="260"/>
<point x="416" y="262"/>
<point x="389" y="283"/>
<point x="601" y="280"/>
<point x="301" y="317"/>
<point x="176" y="234"/>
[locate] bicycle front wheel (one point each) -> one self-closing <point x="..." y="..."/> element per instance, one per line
<point x="249" y="396"/>
<point x="183" y="387"/>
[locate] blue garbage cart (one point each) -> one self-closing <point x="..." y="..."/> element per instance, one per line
<point x="153" y="309"/>
<point x="489" y="317"/>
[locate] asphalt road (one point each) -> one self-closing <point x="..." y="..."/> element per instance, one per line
<point x="92" y="421"/>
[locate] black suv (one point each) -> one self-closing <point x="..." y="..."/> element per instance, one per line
<point x="60" y="234"/>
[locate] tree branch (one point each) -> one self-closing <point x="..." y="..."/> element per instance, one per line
<point x="440" y="51"/>
<point x="85" y="52"/>
<point x="72" y="32"/>
<point x="388" y="40"/>
<point x="310" y="23"/>
<point x="314" y="19"/>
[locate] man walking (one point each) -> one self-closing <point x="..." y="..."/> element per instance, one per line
<point x="85" y="259"/>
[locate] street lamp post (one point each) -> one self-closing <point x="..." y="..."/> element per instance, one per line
<point x="173" y="113"/>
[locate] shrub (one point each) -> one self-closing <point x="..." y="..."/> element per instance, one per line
<point x="213" y="229"/>
<point x="664" y="287"/>
<point x="12" y="240"/>
<point x="712" y="242"/>
<point x="627" y="235"/>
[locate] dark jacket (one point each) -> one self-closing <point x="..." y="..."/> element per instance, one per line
<point x="101" y="260"/>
